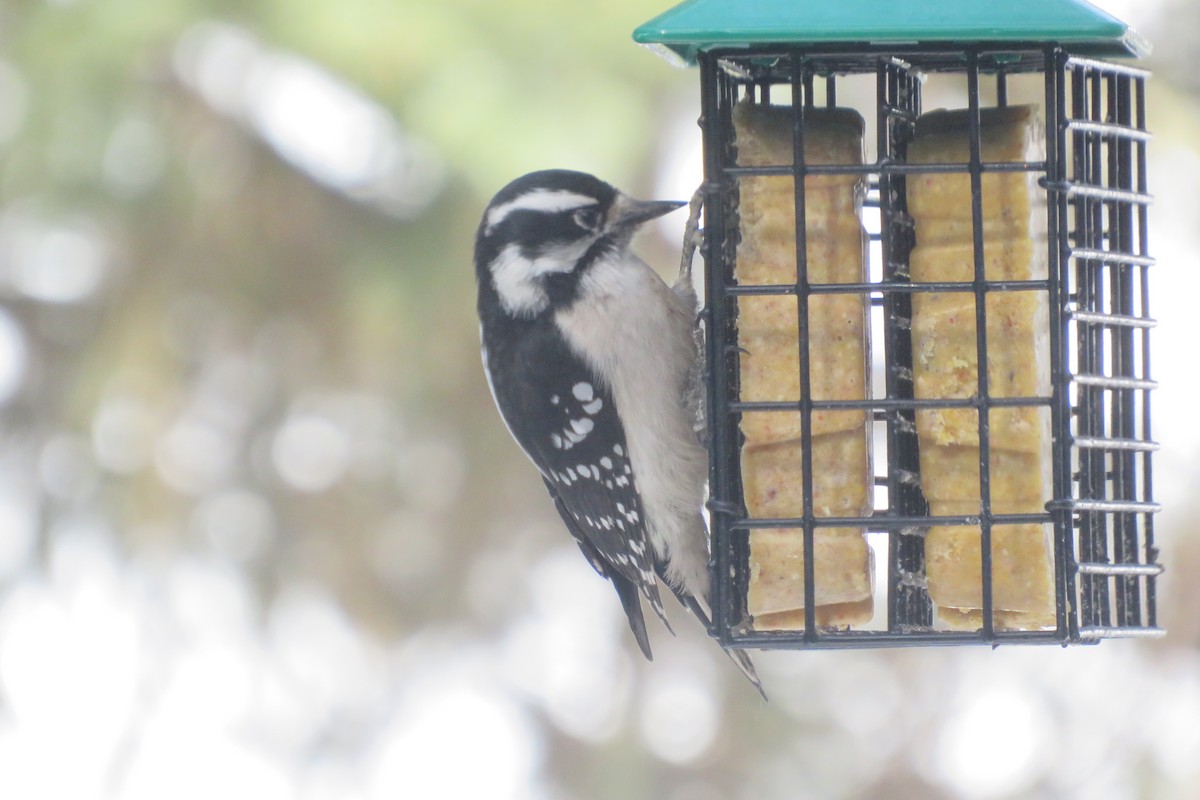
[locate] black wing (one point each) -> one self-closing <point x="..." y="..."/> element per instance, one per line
<point x="627" y="591"/>
<point x="566" y="421"/>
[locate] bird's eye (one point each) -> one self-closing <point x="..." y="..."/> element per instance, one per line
<point x="587" y="218"/>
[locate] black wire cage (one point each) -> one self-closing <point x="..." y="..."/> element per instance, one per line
<point x="875" y="278"/>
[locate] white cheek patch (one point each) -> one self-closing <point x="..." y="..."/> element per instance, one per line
<point x="518" y="278"/>
<point x="543" y="200"/>
<point x="515" y="277"/>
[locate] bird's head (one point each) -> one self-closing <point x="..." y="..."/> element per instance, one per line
<point x="541" y="232"/>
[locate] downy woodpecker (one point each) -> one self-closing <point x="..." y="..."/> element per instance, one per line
<point x="588" y="355"/>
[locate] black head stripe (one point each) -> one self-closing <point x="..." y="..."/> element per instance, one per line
<point x="501" y="221"/>
<point x="556" y="180"/>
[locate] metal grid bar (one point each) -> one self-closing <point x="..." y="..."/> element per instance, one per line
<point x="1116" y="444"/>
<point x="1150" y="552"/>
<point x="1107" y="197"/>
<point x="1108" y="129"/>
<point x="888" y="168"/>
<point x="768" y="63"/>
<point x="1089" y="254"/>
<point x="887" y="404"/>
<point x="1146" y="570"/>
<point x="1105" y="193"/>
<point x="802" y="83"/>
<point x="981" y="343"/>
<point x="884" y="521"/>
<point x="1061" y="307"/>
<point x="1099" y="318"/>
<point x="719" y="242"/>
<point x="898" y="287"/>
<point x="1094" y="176"/>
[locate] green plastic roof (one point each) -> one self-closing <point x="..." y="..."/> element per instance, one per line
<point x="696" y="25"/>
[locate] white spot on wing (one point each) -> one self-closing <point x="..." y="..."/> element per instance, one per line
<point x="582" y="426"/>
<point x="583" y="391"/>
<point x="594" y="406"/>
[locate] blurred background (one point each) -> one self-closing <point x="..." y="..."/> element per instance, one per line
<point x="262" y="534"/>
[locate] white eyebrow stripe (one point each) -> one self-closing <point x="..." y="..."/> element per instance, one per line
<point x="539" y="200"/>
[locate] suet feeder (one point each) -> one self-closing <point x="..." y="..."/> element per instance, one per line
<point x="871" y="486"/>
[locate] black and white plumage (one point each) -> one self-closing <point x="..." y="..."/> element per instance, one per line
<point x="588" y="354"/>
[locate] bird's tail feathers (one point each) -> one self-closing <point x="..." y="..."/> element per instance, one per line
<point x="740" y="658"/>
<point x="650" y="592"/>
<point x="631" y="601"/>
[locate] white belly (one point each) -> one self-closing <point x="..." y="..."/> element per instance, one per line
<point x="637" y="334"/>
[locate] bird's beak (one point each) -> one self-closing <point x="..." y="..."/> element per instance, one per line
<point x="629" y="213"/>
